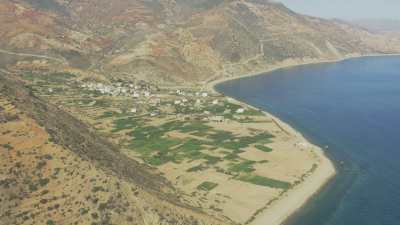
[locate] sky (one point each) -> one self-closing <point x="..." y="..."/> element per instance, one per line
<point x="347" y="9"/>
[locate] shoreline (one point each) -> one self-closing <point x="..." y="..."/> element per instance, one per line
<point x="210" y="85"/>
<point x="279" y="211"/>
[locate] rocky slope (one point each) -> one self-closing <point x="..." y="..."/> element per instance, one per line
<point x="177" y="41"/>
<point x="56" y="170"/>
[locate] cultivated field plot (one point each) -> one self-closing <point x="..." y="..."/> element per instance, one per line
<point x="208" y="146"/>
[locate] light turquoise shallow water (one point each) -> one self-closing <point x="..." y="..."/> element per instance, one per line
<point x="354" y="108"/>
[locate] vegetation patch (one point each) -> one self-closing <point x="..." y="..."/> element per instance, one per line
<point x="125" y="124"/>
<point x="264" y="148"/>
<point x="58" y="78"/>
<point x="253" y="112"/>
<point x="207" y="186"/>
<point x="242" y="167"/>
<point x="211" y="160"/>
<point x="232" y="156"/>
<point x="102" y="103"/>
<point x="106" y="115"/>
<point x="196" y="168"/>
<point x="160" y="158"/>
<point x="221" y="136"/>
<point x="264" y="181"/>
<point x="191" y="146"/>
<point x="228" y="141"/>
<point x="199" y="127"/>
<point x="7" y="146"/>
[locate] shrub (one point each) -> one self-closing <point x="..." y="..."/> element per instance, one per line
<point x="44" y="182"/>
<point x="7" y="146"/>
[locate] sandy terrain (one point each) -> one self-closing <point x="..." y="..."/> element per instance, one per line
<point x="295" y="198"/>
<point x="276" y="212"/>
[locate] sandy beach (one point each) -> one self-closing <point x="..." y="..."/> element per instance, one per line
<point x="293" y="200"/>
<point x="279" y="211"/>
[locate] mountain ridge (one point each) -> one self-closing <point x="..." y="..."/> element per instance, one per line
<point x="180" y="41"/>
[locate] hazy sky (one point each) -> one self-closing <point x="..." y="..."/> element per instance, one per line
<point x="347" y="9"/>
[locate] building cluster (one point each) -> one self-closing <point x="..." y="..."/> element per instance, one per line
<point x="202" y="100"/>
<point x="202" y="94"/>
<point x="173" y="99"/>
<point x="119" y="89"/>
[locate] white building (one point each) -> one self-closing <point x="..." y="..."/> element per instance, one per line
<point x="240" y="111"/>
<point x="134" y="110"/>
<point x="215" y="102"/>
<point x="204" y="94"/>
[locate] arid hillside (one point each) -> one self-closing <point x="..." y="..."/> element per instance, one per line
<point x="55" y="170"/>
<point x="174" y="41"/>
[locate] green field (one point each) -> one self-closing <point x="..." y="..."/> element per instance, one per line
<point x="264" y="148"/>
<point x="264" y="181"/>
<point x="207" y="186"/>
<point x="242" y="167"/>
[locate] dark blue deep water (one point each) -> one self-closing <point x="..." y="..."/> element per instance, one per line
<point x="354" y="108"/>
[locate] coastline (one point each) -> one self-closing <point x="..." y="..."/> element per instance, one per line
<point x="277" y="212"/>
<point x="210" y="85"/>
<point x="289" y="203"/>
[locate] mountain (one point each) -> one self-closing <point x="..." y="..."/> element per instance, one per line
<point x="171" y="42"/>
<point x="379" y="25"/>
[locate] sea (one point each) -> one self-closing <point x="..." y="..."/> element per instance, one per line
<point x="351" y="109"/>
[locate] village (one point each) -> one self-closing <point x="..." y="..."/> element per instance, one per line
<point x="153" y="101"/>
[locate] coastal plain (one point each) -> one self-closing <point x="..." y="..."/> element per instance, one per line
<point x="209" y="147"/>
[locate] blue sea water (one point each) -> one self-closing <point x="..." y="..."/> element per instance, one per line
<point x="353" y="107"/>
